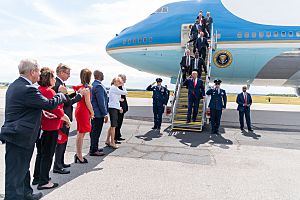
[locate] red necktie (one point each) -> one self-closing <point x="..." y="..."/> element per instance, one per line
<point x="195" y="83"/>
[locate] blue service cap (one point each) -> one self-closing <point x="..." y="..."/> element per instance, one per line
<point x="158" y="80"/>
<point x="217" y="81"/>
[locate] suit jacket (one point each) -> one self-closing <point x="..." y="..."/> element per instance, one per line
<point x="201" y="66"/>
<point x="23" y="111"/>
<point x="240" y="101"/>
<point x="160" y="95"/>
<point x="183" y="65"/>
<point x="218" y="101"/>
<point x="203" y="44"/>
<point x="198" y="91"/>
<point x="209" y="20"/>
<point x="71" y="99"/>
<point x="99" y="99"/>
<point x="194" y="31"/>
<point x="124" y="104"/>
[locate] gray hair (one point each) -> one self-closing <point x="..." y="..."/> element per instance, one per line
<point x="27" y="65"/>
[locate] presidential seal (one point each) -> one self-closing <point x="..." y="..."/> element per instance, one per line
<point x="223" y="59"/>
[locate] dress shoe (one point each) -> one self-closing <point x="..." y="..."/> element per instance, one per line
<point x="194" y="120"/>
<point x="242" y="129"/>
<point x="100" y="150"/>
<point x="188" y="121"/>
<point x="66" y="165"/>
<point x="97" y="153"/>
<point x="250" y="129"/>
<point x="61" y="171"/>
<point x="118" y="142"/>
<point x="32" y="196"/>
<point x="41" y="187"/>
<point x="77" y="160"/>
<point x="158" y="128"/>
<point x="154" y="127"/>
<point x="121" y="139"/>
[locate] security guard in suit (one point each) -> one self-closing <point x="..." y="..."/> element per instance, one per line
<point x="160" y="98"/>
<point x="217" y="103"/>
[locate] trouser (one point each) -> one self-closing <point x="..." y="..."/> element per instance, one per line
<point x="245" y="113"/>
<point x="97" y="124"/>
<point x="60" y="150"/>
<point x="215" y="116"/>
<point x="17" y="174"/>
<point x="158" y="111"/>
<point x="48" y="145"/>
<point x="202" y="53"/>
<point x="193" y="103"/>
<point x="118" y="134"/>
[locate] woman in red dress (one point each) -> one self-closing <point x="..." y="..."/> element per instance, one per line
<point x="83" y="114"/>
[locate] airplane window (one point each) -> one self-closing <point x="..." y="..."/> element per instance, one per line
<point x="145" y="39"/>
<point x="275" y="34"/>
<point x="283" y="34"/>
<point x="239" y="35"/>
<point x="219" y="36"/>
<point x="253" y="34"/>
<point x="269" y="34"/>
<point x="129" y="41"/>
<point x="247" y="35"/>
<point x="298" y="33"/>
<point x="140" y="40"/>
<point x="291" y="34"/>
<point x="124" y="41"/>
<point x="162" y="10"/>
<point x="261" y="34"/>
<point x="134" y="40"/>
<point x="150" y="39"/>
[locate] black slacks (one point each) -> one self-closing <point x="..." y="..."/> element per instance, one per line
<point x="193" y="103"/>
<point x="48" y="145"/>
<point x="17" y="174"/>
<point x="118" y="134"/>
<point x="245" y="113"/>
<point x="97" y="124"/>
<point x="60" y="150"/>
<point x="215" y="120"/>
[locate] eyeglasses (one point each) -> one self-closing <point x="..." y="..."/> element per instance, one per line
<point x="67" y="72"/>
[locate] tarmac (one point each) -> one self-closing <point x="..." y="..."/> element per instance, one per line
<point x="259" y="165"/>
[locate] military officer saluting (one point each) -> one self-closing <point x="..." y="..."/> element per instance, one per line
<point x="160" y="98"/>
<point x="217" y="104"/>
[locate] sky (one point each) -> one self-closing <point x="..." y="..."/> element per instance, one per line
<point x="76" y="33"/>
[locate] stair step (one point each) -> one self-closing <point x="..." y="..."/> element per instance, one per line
<point x="187" y="129"/>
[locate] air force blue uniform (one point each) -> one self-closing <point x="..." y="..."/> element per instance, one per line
<point x="217" y="102"/>
<point x="160" y="97"/>
<point x="241" y="100"/>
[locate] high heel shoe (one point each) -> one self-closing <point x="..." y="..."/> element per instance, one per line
<point x="76" y="159"/>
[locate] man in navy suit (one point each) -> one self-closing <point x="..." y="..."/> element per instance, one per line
<point x="217" y="104"/>
<point x="194" y="31"/>
<point x="23" y="111"/>
<point x="201" y="45"/>
<point x="100" y="106"/>
<point x="195" y="94"/>
<point x="244" y="101"/>
<point x="198" y="65"/>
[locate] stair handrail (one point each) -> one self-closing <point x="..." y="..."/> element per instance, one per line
<point x="176" y="95"/>
<point x="208" y="67"/>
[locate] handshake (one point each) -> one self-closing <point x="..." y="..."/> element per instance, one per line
<point x="82" y="91"/>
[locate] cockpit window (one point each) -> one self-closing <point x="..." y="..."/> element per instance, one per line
<point x="162" y="10"/>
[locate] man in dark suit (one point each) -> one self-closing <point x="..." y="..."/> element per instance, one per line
<point x="63" y="74"/>
<point x="216" y="105"/>
<point x="100" y="106"/>
<point x="198" y="65"/>
<point x="195" y="94"/>
<point x="185" y="63"/>
<point x="194" y="31"/>
<point x="208" y="21"/>
<point x="244" y="101"/>
<point x="23" y="110"/>
<point x="124" y="106"/>
<point x="201" y="45"/>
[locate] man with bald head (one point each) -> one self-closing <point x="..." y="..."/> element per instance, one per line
<point x="100" y="107"/>
<point x="23" y="112"/>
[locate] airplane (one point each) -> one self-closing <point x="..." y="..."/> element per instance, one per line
<point x="245" y="52"/>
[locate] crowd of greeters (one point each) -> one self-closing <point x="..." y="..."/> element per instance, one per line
<point x="42" y="115"/>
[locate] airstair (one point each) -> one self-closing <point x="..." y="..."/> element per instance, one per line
<point x="180" y="102"/>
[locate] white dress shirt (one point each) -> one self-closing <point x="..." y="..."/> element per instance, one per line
<point x="29" y="81"/>
<point x="114" y="97"/>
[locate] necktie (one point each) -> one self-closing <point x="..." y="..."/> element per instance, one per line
<point x="195" y="83"/>
<point x="196" y="64"/>
<point x="245" y="100"/>
<point x="187" y="61"/>
<point x="218" y="90"/>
